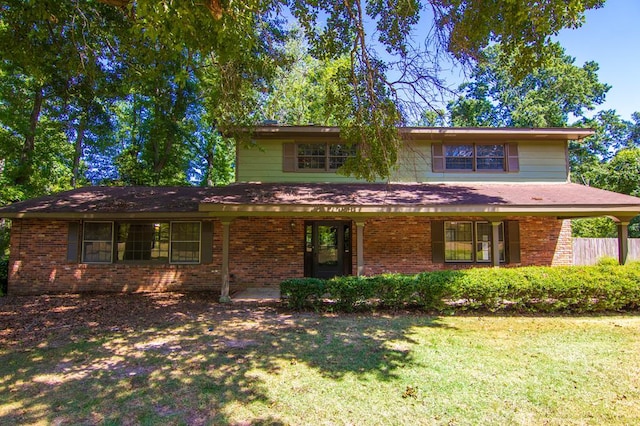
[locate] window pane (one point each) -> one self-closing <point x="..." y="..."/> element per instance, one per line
<point x="490" y="164"/>
<point x="312" y="156"/>
<point x="338" y="155"/>
<point x="490" y="150"/>
<point x="458" y="241"/>
<point x="459" y="157"/>
<point x="490" y="157"/>
<point x="185" y="231"/>
<point x="483" y="242"/>
<point x="185" y="242"/>
<point x="97" y="245"/>
<point x="97" y="231"/>
<point x="484" y="235"/>
<point x="458" y="150"/>
<point x="97" y="252"/>
<point x="143" y="242"/>
<point x="185" y="252"/>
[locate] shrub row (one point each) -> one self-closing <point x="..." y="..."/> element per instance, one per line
<point x="599" y="288"/>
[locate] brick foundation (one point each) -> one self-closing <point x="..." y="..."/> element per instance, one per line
<point x="263" y="252"/>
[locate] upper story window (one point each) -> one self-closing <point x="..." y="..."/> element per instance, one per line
<point x="315" y="157"/>
<point x="475" y="157"/>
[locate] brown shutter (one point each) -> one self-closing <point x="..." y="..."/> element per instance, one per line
<point x="206" y="242"/>
<point x="513" y="241"/>
<point x="437" y="241"/>
<point x="513" y="163"/>
<point x="73" y="239"/>
<point x="437" y="158"/>
<point x="289" y="157"/>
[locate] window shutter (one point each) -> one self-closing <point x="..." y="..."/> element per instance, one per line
<point x="206" y="242"/>
<point x="513" y="163"/>
<point x="437" y="157"/>
<point x="437" y="241"/>
<point x="73" y="239"/>
<point x="289" y="157"/>
<point x="513" y="241"/>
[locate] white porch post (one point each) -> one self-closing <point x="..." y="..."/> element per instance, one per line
<point x="360" y="247"/>
<point x="495" y="243"/>
<point x="224" y="291"/>
<point x="623" y="242"/>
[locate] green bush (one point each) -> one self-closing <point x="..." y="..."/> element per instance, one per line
<point x="301" y="293"/>
<point x="604" y="287"/>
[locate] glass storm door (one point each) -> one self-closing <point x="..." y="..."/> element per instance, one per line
<point x="328" y="249"/>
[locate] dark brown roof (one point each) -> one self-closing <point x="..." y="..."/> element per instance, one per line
<point x="246" y="198"/>
<point x="113" y="199"/>
<point x="399" y="194"/>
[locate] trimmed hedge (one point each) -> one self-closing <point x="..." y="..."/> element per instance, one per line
<point x="604" y="287"/>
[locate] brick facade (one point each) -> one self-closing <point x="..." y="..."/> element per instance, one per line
<point x="262" y="252"/>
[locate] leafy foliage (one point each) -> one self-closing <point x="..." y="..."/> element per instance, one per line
<point x="138" y="91"/>
<point x="544" y="97"/>
<point x="605" y="287"/>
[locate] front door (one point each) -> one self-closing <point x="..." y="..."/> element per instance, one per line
<point x="327" y="249"/>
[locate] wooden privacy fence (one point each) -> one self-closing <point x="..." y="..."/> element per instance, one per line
<point x="587" y="251"/>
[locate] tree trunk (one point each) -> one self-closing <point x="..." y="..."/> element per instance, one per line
<point x="82" y="127"/>
<point x="26" y="157"/>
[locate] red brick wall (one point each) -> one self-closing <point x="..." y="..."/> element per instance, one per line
<point x="263" y="251"/>
<point x="404" y="244"/>
<point x="38" y="264"/>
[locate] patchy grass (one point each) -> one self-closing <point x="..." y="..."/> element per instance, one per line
<point x="184" y="359"/>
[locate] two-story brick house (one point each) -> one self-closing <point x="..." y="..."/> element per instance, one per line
<point x="460" y="197"/>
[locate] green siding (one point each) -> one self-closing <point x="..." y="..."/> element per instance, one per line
<point x="539" y="162"/>
<point x="263" y="163"/>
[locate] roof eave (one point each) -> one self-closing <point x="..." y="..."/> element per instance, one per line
<point x="566" y="133"/>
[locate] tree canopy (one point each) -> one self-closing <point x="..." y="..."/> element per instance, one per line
<point x="139" y="91"/>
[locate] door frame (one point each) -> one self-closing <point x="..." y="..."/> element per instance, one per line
<point x="344" y="247"/>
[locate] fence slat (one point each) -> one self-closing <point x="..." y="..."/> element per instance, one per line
<point x="588" y="251"/>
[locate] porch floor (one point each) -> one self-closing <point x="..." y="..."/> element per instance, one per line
<point x="257" y="294"/>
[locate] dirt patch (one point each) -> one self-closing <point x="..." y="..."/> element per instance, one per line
<point x="27" y="321"/>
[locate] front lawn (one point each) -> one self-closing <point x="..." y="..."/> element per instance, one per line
<point x="176" y="359"/>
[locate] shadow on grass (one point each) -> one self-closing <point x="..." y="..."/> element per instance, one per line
<point x="177" y="359"/>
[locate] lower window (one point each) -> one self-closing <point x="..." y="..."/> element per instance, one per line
<point x="467" y="241"/>
<point x="141" y="242"/>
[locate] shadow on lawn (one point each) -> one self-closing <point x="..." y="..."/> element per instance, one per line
<point x="177" y="359"/>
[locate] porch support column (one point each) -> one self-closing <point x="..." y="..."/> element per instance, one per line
<point x="360" y="247"/>
<point x="224" y="291"/>
<point x="495" y="243"/>
<point x="623" y="242"/>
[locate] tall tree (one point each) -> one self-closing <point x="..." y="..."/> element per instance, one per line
<point x="385" y="66"/>
<point x="548" y="96"/>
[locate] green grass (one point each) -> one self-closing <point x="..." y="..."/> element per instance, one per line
<point x="228" y="365"/>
